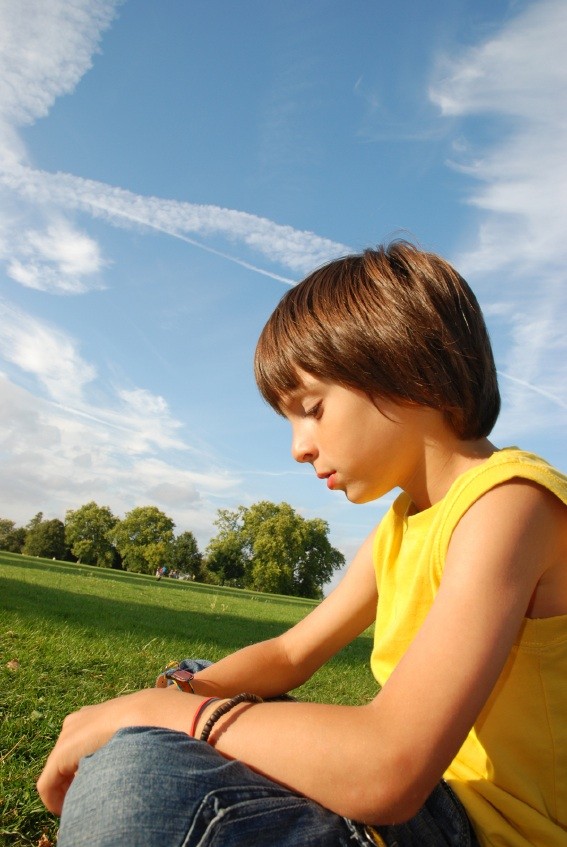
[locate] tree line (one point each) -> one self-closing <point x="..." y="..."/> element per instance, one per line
<point x="265" y="547"/>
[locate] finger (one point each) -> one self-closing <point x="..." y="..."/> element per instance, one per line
<point x="52" y="788"/>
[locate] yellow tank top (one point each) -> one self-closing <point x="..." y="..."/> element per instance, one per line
<point x="511" y="772"/>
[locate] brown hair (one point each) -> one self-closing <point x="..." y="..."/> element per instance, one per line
<point x="395" y="322"/>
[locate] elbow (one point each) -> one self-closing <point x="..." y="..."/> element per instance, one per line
<point x="387" y="795"/>
<point x="300" y="665"/>
<point x="384" y="807"/>
<point x="389" y="808"/>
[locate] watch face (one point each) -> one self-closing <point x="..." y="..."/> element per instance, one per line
<point x="180" y="678"/>
<point x="175" y="676"/>
<point x="180" y="675"/>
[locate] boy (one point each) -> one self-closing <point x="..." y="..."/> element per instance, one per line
<point x="382" y="365"/>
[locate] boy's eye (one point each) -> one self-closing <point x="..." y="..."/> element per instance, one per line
<point x="313" y="411"/>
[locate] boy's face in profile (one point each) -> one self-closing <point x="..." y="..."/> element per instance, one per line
<point x="358" y="446"/>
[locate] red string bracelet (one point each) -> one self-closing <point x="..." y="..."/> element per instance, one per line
<point x="199" y="712"/>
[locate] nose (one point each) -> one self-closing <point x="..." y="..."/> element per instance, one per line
<point x="302" y="447"/>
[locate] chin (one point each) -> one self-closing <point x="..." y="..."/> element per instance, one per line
<point x="362" y="497"/>
<point x="358" y="499"/>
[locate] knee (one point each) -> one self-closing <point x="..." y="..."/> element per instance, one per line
<point x="125" y="788"/>
<point x="141" y="758"/>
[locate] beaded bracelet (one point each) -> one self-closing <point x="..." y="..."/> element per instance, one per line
<point x="224" y="709"/>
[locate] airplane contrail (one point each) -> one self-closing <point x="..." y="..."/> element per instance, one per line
<point x="129" y="216"/>
<point x="122" y="213"/>
<point x="535" y="388"/>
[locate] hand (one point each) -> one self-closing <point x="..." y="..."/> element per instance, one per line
<point x="87" y="730"/>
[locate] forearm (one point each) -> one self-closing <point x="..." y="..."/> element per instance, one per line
<point x="344" y="757"/>
<point x="281" y="664"/>
<point x="262" y="669"/>
<point x="324" y="752"/>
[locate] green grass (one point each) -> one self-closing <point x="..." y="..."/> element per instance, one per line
<point x="81" y="635"/>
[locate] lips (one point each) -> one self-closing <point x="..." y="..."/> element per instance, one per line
<point x="330" y="477"/>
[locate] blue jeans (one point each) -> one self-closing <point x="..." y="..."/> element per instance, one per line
<point x="152" y="787"/>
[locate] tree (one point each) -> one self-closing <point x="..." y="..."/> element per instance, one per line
<point x="12" y="538"/>
<point x="144" y="539"/>
<point x="185" y="555"/>
<point x="226" y="556"/>
<point x="35" y="521"/>
<point x="274" y="549"/>
<point x="46" y="538"/>
<point x="290" y="555"/>
<point x="87" y="532"/>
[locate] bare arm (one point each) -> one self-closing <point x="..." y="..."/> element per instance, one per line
<point x="269" y="668"/>
<point x="379" y="762"/>
<point x="281" y="664"/>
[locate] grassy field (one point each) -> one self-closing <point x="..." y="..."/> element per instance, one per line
<point x="72" y="634"/>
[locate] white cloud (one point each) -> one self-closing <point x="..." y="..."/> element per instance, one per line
<point x="297" y="250"/>
<point x="45" y="353"/>
<point x="181" y="484"/>
<point x="67" y="437"/>
<point x="519" y="77"/>
<point x="53" y="458"/>
<point x="143" y="402"/>
<point x="56" y="259"/>
<point x="520" y="72"/>
<point x="45" y="49"/>
<point x="137" y="419"/>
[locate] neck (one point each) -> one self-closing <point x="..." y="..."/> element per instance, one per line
<point x="444" y="459"/>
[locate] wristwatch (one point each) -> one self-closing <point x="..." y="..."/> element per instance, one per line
<point x="176" y="676"/>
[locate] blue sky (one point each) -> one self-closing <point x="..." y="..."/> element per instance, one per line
<point x="168" y="170"/>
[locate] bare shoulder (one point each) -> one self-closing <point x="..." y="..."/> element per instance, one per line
<point x="518" y="531"/>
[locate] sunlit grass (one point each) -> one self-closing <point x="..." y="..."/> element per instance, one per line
<point x="72" y="634"/>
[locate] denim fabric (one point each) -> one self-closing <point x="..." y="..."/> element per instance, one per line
<point x="158" y="788"/>
<point x="194" y="665"/>
<point x="151" y="787"/>
<point x="441" y="822"/>
<point x="154" y="787"/>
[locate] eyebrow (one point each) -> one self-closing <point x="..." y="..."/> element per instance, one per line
<point x="287" y="400"/>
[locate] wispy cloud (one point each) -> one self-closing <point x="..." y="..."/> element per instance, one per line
<point x="45" y="49"/>
<point x="58" y="259"/>
<point x="519" y="79"/>
<point x="45" y="353"/>
<point x="68" y="433"/>
<point x="124" y="452"/>
<point x="295" y="249"/>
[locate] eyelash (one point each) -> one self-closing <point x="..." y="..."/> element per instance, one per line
<point x="313" y="411"/>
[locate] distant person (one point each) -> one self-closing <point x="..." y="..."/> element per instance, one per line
<point x="382" y="365"/>
<point x="158" y="574"/>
